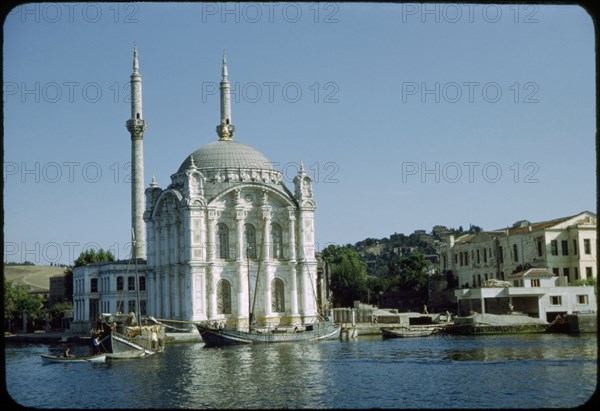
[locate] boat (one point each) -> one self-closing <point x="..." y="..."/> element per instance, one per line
<point x="119" y="337"/>
<point x="124" y="336"/>
<point x="73" y="359"/>
<point x="216" y="334"/>
<point x="406" y="332"/>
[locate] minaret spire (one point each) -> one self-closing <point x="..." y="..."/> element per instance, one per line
<point x="136" y="126"/>
<point x="135" y="59"/>
<point x="225" y="130"/>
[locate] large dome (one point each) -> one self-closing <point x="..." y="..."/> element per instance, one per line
<point x="226" y="154"/>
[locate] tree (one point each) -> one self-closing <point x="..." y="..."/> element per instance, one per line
<point x="17" y="302"/>
<point x="91" y="256"/>
<point x="408" y="272"/>
<point x="348" y="274"/>
<point x="57" y="313"/>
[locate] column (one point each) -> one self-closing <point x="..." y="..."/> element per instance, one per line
<point x="211" y="308"/>
<point x="242" y="303"/>
<point x="176" y="286"/>
<point x="188" y="237"/>
<point x="267" y="262"/>
<point x="150" y="258"/>
<point x="157" y="292"/>
<point x="292" y="253"/>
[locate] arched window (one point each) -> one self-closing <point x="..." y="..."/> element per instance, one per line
<point x="223" y="297"/>
<point x="276" y="240"/>
<point x="223" y="236"/>
<point x="277" y="296"/>
<point x="250" y="237"/>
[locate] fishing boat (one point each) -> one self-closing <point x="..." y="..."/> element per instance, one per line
<point x="124" y="336"/>
<point x="216" y="334"/>
<point x="406" y="332"/>
<point x="119" y="337"/>
<point x="73" y="359"/>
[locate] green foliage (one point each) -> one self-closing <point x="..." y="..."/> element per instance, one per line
<point x="57" y="313"/>
<point x="408" y="272"/>
<point x="348" y="274"/>
<point x="17" y="300"/>
<point x="23" y="263"/>
<point x="522" y="267"/>
<point x="588" y="281"/>
<point x="92" y="256"/>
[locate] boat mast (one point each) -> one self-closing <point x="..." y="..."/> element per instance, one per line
<point x="262" y="248"/>
<point x="248" y="272"/>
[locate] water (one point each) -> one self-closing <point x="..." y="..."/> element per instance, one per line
<point x="506" y="371"/>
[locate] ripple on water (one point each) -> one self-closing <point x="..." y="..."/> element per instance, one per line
<point x="444" y="372"/>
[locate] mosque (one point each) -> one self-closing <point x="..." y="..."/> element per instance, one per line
<point x="226" y="240"/>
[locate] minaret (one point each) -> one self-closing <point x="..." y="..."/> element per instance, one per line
<point x="136" y="126"/>
<point x="225" y="130"/>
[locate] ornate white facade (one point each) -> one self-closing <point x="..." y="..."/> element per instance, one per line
<point x="226" y="226"/>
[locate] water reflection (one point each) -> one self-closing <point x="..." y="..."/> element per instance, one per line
<point x="433" y="372"/>
<point x="521" y="347"/>
<point x="270" y="376"/>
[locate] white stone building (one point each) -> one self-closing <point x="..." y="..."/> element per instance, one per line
<point x="564" y="246"/>
<point x="226" y="218"/>
<point x="535" y="292"/>
<point x="225" y="238"/>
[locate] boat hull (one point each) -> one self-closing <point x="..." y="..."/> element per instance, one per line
<point x="390" y="333"/>
<point x="222" y="337"/>
<point x="60" y="359"/>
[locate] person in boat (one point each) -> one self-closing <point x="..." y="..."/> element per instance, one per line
<point x="96" y="345"/>
<point x="99" y="323"/>
<point x="67" y="352"/>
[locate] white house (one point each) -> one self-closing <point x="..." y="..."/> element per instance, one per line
<point x="535" y="292"/>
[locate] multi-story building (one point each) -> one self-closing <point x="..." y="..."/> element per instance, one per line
<point x="564" y="246"/>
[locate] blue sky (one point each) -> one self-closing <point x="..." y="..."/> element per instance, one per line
<point x="405" y="115"/>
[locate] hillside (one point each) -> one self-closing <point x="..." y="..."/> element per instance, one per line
<point x="36" y="277"/>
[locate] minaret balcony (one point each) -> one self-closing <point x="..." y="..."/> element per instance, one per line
<point x="136" y="126"/>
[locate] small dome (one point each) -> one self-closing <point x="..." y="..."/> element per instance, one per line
<point x="226" y="154"/>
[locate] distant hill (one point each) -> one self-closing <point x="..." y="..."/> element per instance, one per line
<point x="37" y="277"/>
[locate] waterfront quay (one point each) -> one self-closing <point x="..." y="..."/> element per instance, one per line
<point x="478" y="324"/>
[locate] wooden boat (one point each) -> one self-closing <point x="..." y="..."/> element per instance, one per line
<point x="215" y="336"/>
<point x="73" y="359"/>
<point x="123" y="336"/>
<point x="406" y="332"/>
<point x="119" y="337"/>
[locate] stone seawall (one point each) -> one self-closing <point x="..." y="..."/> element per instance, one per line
<point x="477" y="329"/>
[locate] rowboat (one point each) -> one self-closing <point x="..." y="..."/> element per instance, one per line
<point x="73" y="359"/>
<point x="406" y="332"/>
